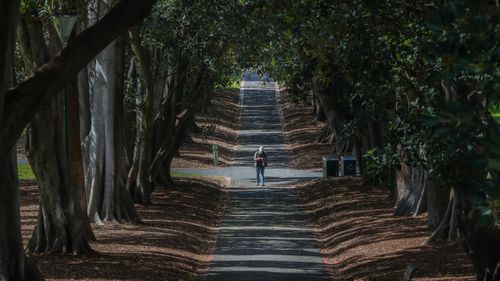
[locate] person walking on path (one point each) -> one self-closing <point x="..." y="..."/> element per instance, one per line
<point x="260" y="159"/>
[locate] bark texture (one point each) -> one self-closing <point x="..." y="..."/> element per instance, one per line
<point x="18" y="106"/>
<point x="53" y="149"/>
<point x="24" y="100"/>
<point x="437" y="200"/>
<point x="108" y="201"/>
<point x="409" y="185"/>
<point x="13" y="263"/>
<point x="141" y="188"/>
<point x="332" y="109"/>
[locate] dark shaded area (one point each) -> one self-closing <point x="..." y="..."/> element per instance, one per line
<point x="174" y="242"/>
<point x="361" y="239"/>
<point x="302" y="132"/>
<point x="218" y="123"/>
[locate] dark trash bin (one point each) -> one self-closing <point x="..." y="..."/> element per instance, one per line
<point x="330" y="166"/>
<point x="349" y="165"/>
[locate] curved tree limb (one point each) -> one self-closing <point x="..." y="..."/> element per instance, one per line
<point x="24" y="100"/>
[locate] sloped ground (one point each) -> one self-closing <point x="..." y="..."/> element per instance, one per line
<point x="301" y="132"/>
<point x="218" y="124"/>
<point x="175" y="241"/>
<point x="360" y="239"/>
<point x="358" y="235"/>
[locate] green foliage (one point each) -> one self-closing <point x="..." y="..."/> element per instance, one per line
<point x="428" y="72"/>
<point x="25" y="172"/>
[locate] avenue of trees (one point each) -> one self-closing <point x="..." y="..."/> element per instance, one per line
<point x="103" y="114"/>
<point x="409" y="87"/>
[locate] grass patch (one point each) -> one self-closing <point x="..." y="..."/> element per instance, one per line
<point x="24" y="172"/>
<point x="496" y="116"/>
<point x="230" y="85"/>
<point x="234" y="85"/>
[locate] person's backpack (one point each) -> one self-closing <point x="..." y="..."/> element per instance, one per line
<point x="263" y="154"/>
<point x="265" y="159"/>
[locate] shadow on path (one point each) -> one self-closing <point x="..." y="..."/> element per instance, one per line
<point x="264" y="235"/>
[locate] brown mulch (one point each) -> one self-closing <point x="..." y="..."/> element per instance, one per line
<point x="219" y="124"/>
<point x="361" y="239"/>
<point x="301" y="133"/>
<point x="175" y="241"/>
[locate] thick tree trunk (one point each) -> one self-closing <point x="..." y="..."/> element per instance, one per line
<point x="319" y="113"/>
<point x="443" y="228"/>
<point x="63" y="226"/>
<point x="20" y="104"/>
<point x="437" y="200"/>
<point x="332" y="110"/>
<point x="106" y="174"/>
<point x="13" y="263"/>
<point x="480" y="240"/>
<point x="53" y="149"/>
<point x="409" y="183"/>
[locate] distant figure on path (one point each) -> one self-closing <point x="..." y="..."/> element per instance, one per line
<point x="260" y="158"/>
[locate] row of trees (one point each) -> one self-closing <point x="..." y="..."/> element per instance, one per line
<point x="104" y="114"/>
<point x="409" y="87"/>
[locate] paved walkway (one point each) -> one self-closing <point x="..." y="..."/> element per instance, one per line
<point x="264" y="235"/>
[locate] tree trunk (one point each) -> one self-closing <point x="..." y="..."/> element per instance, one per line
<point x="319" y="113"/>
<point x="85" y="121"/>
<point x="105" y="174"/>
<point x="143" y="187"/>
<point x="63" y="226"/>
<point x="18" y="106"/>
<point x="437" y="200"/>
<point x="13" y="263"/>
<point x="24" y="100"/>
<point x="480" y="240"/>
<point x="409" y="183"/>
<point x="53" y="149"/>
<point x="333" y="112"/>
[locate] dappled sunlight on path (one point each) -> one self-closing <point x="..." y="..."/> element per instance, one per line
<point x="264" y="235"/>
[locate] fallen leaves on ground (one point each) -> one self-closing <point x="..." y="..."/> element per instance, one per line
<point x="218" y="124"/>
<point x="361" y="239"/>
<point x="301" y="133"/>
<point x="175" y="241"/>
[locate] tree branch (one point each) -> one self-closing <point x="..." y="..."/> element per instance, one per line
<point x="24" y="100"/>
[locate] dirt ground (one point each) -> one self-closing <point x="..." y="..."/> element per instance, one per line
<point x="175" y="241"/>
<point x="219" y="124"/>
<point x="178" y="234"/>
<point x="360" y="239"/>
<point x="358" y="235"/>
<point x="301" y="131"/>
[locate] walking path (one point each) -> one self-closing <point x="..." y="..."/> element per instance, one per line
<point x="264" y="235"/>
